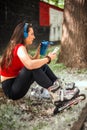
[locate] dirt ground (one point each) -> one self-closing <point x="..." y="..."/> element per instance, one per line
<point x="36" y="114"/>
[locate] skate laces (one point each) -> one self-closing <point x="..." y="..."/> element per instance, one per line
<point x="68" y="94"/>
<point x="66" y="85"/>
<point x="69" y="85"/>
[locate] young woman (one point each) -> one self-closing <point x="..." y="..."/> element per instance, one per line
<point x="19" y="69"/>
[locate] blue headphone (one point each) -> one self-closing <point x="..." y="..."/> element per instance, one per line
<point x="25" y="30"/>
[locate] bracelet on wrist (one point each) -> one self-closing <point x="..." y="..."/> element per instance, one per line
<point x="49" y="59"/>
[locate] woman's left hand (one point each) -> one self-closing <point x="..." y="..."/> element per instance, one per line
<point x="52" y="56"/>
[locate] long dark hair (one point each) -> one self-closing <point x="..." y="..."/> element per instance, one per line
<point x="16" y="38"/>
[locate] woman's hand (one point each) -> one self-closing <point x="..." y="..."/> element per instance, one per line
<point x="52" y="55"/>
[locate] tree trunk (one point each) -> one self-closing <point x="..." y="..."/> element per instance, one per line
<point x="73" y="52"/>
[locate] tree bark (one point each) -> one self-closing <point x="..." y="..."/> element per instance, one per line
<point x="73" y="51"/>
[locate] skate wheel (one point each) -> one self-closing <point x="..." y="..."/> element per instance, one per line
<point x="82" y="96"/>
<point x="55" y="111"/>
<point x="57" y="103"/>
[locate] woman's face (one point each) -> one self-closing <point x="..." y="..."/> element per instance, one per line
<point x="29" y="40"/>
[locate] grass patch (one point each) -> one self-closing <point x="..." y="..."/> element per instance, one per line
<point x="82" y="71"/>
<point x="40" y="125"/>
<point x="9" y="115"/>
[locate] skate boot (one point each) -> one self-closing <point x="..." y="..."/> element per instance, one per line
<point x="54" y="91"/>
<point x="61" y="83"/>
<point x="60" y="94"/>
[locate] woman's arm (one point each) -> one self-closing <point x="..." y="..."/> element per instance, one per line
<point x="28" y="62"/>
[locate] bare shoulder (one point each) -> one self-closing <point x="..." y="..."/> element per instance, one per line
<point x="24" y="56"/>
<point x="21" y="48"/>
<point x="22" y="52"/>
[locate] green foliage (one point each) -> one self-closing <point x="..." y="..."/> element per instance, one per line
<point x="58" y="3"/>
<point x="57" y="67"/>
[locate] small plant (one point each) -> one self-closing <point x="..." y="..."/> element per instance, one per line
<point x="40" y="125"/>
